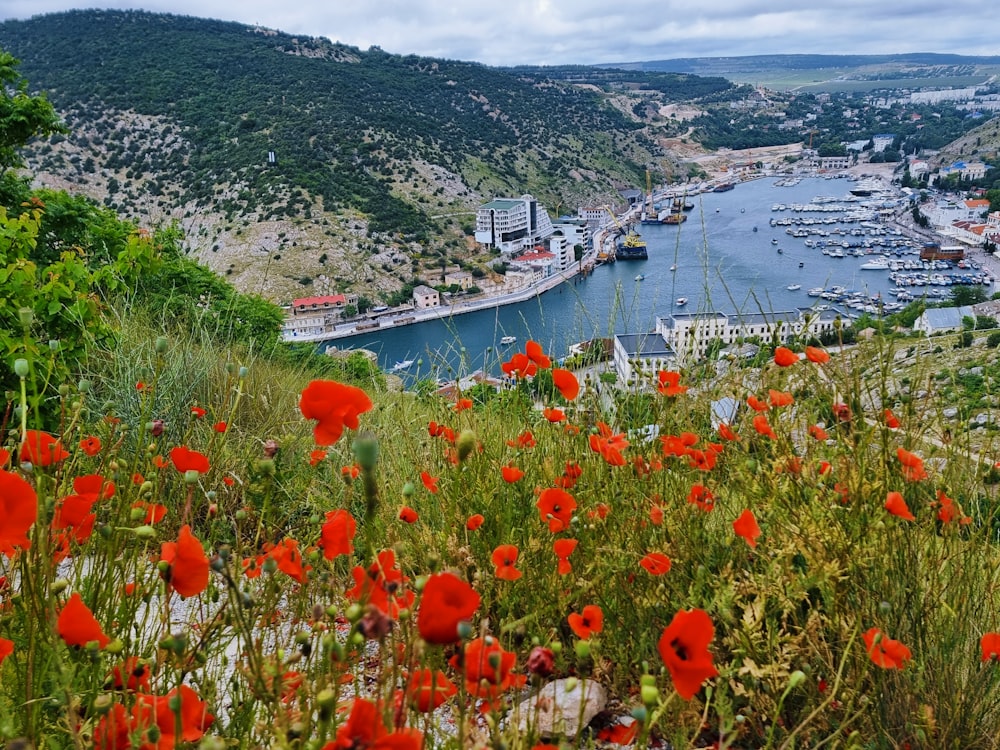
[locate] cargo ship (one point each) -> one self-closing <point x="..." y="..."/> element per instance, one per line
<point x="631" y="247"/>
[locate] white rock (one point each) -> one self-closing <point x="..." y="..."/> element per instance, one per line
<point x="556" y="710"/>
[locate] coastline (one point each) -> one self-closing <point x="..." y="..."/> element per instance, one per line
<point x="399" y="319"/>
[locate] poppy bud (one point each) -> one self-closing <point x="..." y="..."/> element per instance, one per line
<point x="326" y="699"/>
<point x="27" y="316"/>
<point x="244" y="372"/>
<point x="115" y="647"/>
<point x="102" y="704"/>
<point x="464" y="630"/>
<point x="146" y="488"/>
<point x="650" y="694"/>
<point x="53" y="345"/>
<point x="21" y="368"/>
<point x="59" y="585"/>
<point x="353" y="613"/>
<point x="639" y="713"/>
<point x="144" y="532"/>
<point x="796" y="678"/>
<point x="64" y="392"/>
<point x="571" y="683"/>
<point x="217" y="564"/>
<point x="160" y="345"/>
<point x="409" y="489"/>
<point x="365" y="449"/>
<point x="466" y="443"/>
<point x="582" y="649"/>
<point x="270" y="565"/>
<point x="156" y="427"/>
<point x="84" y="386"/>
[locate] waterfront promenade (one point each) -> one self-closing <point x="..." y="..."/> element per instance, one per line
<point x="393" y="319"/>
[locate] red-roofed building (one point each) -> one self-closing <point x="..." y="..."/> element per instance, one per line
<point x="311" y="316"/>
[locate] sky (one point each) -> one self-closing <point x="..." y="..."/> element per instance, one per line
<point x="557" y="32"/>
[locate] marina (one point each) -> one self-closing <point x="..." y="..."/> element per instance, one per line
<point x="714" y="261"/>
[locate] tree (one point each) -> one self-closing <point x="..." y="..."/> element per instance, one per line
<point x="967" y="295"/>
<point x="22" y="117"/>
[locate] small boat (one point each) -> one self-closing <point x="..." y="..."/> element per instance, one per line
<point x="681" y="301"/>
<point x="780" y="251"/>
<point x="640" y="277"/>
<point x="755" y="229"/>
<point x="403" y="364"/>
<point x="793" y="287"/>
<point x="801" y="264"/>
<point x="506" y="340"/>
<point x="774" y="241"/>
<point x="673" y="268"/>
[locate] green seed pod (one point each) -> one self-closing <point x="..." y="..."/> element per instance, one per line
<point x="365" y="449"/>
<point x="466" y="443"/>
<point x="21" y="368"/>
<point x="161" y="345"/>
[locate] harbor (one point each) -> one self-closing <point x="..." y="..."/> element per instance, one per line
<point x="726" y="257"/>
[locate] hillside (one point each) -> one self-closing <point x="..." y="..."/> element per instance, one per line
<point x="380" y="160"/>
<point x="980" y="143"/>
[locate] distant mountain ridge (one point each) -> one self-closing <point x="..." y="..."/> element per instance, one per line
<point x="699" y="65"/>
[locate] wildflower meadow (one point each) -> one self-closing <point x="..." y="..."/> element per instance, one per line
<point x="198" y="551"/>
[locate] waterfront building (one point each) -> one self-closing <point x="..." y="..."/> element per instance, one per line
<point x="425" y="297"/>
<point x="638" y="356"/>
<point x="512" y="224"/>
<point x="972" y="170"/>
<point x="689" y="335"/>
<point x="313" y="315"/>
<point x="834" y="162"/>
<point x="941" y="319"/>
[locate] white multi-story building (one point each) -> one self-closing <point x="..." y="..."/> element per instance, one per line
<point x="690" y="334"/>
<point x="310" y="316"/>
<point x="511" y="224"/>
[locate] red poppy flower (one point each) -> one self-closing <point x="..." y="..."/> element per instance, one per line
<point x="474" y="521"/>
<point x="114" y="729"/>
<point x="198" y="412"/>
<point x="427" y="689"/>
<point x="990" y="646"/>
<point x="556" y="508"/>
<point x="700" y="496"/>
<point x="913" y="465"/>
<point x="462" y="404"/>
<point x="6" y="649"/>
<point x="91" y="445"/>
<point x="895" y="504"/>
<point x="609" y="445"/>
<point x="504" y="558"/>
<point x="185" y="459"/>
<point x="780" y="398"/>
<point x="220" y="427"/>
<point x="364" y="728"/>
<point x="334" y="406"/>
<point x="948" y="511"/>
<point x="77" y="625"/>
<point x="316" y="457"/>
<point x="524" y="440"/>
<point x="18" y="511"/>
<point x="430" y="483"/>
<point x="350" y="473"/>
<point x="817" y="355"/>
<point x="534" y="352"/>
<point x="601" y="511"/>
<point x="181" y="710"/>
<point x="511" y="474"/>
<point x="702" y="460"/>
<point x="563" y="548"/>
<point x="683" y="646"/>
<point x="286" y="553"/>
<point x="763" y="427"/>
<point x="656" y="563"/>
<point x="890" y="419"/>
<point x="446" y="602"/>
<point x="668" y="383"/>
<point x="746" y="527"/>
<point x="726" y="432"/>
<point x="41" y="449"/>
<point x="884" y="651"/>
<point x="187" y="563"/>
<point x="381" y="585"/>
<point x="656" y="515"/>
<point x="566" y="382"/>
<point x="487" y="668"/>
<point x="553" y="414"/>
<point x="619" y="734"/>
<point x="590" y="621"/>
<point x="784" y="357"/>
<point x="337" y="534"/>
<point x="130" y="674"/>
<point x="819" y="433"/>
<point x="408" y="515"/>
<point x="842" y="412"/>
<point x="756" y="404"/>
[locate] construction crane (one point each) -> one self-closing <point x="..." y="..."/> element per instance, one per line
<point x="811" y="134"/>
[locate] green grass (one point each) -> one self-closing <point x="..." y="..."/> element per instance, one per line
<point x="788" y="614"/>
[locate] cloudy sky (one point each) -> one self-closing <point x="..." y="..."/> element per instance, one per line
<point x="511" y="32"/>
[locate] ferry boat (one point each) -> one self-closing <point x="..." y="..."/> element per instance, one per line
<point x="881" y="263"/>
<point x="507" y="340"/>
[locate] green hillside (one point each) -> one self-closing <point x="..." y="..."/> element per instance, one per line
<point x="375" y="154"/>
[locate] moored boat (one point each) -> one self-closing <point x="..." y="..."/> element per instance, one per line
<point x="506" y="340"/>
<point x="681" y="301"/>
